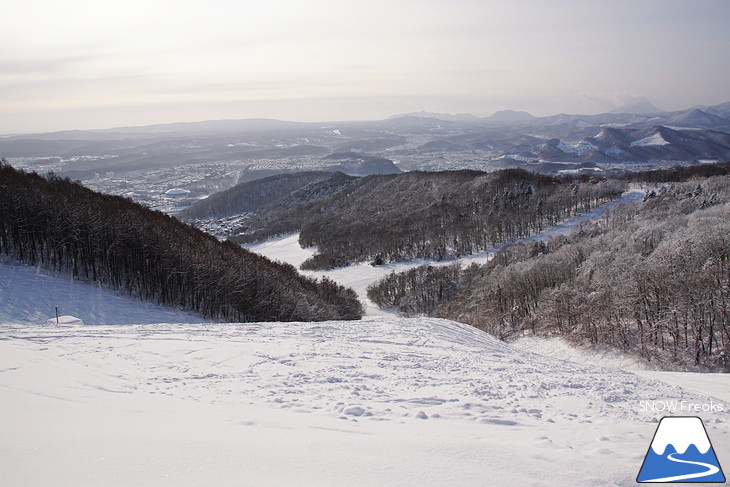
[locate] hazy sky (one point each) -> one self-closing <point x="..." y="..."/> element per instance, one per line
<point x="94" y="64"/>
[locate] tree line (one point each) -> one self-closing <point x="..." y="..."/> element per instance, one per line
<point x="249" y="196"/>
<point x="61" y="226"/>
<point x="389" y="218"/>
<point x="651" y="278"/>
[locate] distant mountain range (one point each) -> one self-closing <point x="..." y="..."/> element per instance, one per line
<point x="510" y="116"/>
<point x="641" y="112"/>
<point x="637" y="133"/>
<point x="658" y="143"/>
<point x="459" y="117"/>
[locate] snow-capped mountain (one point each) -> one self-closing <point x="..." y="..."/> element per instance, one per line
<point x="611" y="144"/>
<point x="656" y="138"/>
<point x="697" y="118"/>
<point x="721" y="110"/>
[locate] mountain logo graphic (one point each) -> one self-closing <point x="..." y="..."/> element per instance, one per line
<point x="681" y="452"/>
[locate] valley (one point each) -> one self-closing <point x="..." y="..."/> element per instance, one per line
<point x="383" y="243"/>
<point x="363" y="275"/>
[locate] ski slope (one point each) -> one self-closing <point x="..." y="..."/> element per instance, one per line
<point x="28" y="295"/>
<point x="385" y="401"/>
<point x="382" y="401"/>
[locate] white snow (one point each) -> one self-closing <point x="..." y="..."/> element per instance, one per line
<point x="559" y="348"/>
<point x="379" y="402"/>
<point x="578" y="148"/>
<point x="30" y="296"/>
<point x="283" y="249"/>
<point x="655" y="139"/>
<point x="677" y="127"/>
<point x="712" y="386"/>
<point x="64" y="320"/>
<point x="580" y="171"/>
<point x="177" y="192"/>
<point x="681" y="432"/>
<point x="516" y="157"/>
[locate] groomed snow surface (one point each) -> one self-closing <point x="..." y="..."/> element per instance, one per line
<point x="377" y="402"/>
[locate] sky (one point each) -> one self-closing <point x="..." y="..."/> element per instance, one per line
<point x="82" y="64"/>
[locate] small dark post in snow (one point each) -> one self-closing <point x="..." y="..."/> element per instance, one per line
<point x="56" y="314"/>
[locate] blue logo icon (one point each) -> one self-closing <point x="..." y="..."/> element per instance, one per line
<point x="681" y="452"/>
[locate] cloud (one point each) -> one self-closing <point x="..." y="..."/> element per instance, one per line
<point x="23" y="68"/>
<point x="543" y="57"/>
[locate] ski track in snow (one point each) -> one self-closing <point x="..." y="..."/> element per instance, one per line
<point x="390" y="369"/>
<point x="398" y="401"/>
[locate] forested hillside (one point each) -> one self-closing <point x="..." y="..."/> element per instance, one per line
<point x="61" y="226"/>
<point x="250" y="196"/>
<point x="389" y="218"/>
<point x="652" y="279"/>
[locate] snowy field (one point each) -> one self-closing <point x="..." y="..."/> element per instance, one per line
<point x="385" y="401"/>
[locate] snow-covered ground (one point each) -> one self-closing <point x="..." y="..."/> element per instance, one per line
<point x="559" y="348"/>
<point x="715" y="385"/>
<point x="360" y="276"/>
<point x="655" y="139"/>
<point x="28" y="295"/>
<point x="385" y="401"/>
